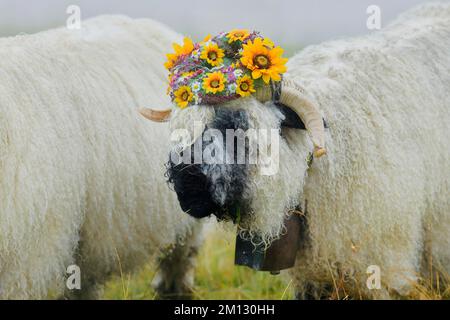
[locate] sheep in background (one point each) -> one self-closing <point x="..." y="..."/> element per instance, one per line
<point x="381" y="195"/>
<point x="81" y="174"/>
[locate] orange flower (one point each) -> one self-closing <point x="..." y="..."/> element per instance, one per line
<point x="183" y="96"/>
<point x="264" y="61"/>
<point x="186" y="49"/>
<point x="207" y="38"/>
<point x="212" y="54"/>
<point x="238" y="34"/>
<point x="214" y="82"/>
<point x="244" y="86"/>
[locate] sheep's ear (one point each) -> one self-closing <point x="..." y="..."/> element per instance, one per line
<point x="291" y="118"/>
<point x="156" y="115"/>
<point x="292" y="96"/>
<point x="307" y="115"/>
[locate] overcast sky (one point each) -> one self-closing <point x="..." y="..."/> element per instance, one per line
<point x="289" y="22"/>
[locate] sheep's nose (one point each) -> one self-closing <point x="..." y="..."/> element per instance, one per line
<point x="192" y="188"/>
<point x="204" y="189"/>
<point x="212" y="188"/>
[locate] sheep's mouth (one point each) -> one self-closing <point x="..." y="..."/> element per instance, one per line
<point x="200" y="198"/>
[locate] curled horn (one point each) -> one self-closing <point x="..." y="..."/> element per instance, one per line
<point x="293" y="97"/>
<point x="156" y="115"/>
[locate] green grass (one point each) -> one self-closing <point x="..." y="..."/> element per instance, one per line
<point x="216" y="277"/>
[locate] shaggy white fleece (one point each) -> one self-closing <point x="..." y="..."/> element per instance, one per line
<point x="381" y="195"/>
<point x="81" y="172"/>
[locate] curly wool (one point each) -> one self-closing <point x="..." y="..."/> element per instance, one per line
<point x="380" y="196"/>
<point x="81" y="173"/>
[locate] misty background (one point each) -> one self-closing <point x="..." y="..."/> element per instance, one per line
<point x="293" y="23"/>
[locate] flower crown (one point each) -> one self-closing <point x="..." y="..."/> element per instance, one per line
<point x="228" y="66"/>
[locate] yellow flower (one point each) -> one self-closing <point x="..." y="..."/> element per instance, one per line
<point x="238" y="34"/>
<point x="245" y="86"/>
<point x="263" y="61"/>
<point x="186" y="49"/>
<point x="171" y="59"/>
<point x="214" y="82"/>
<point x="207" y="38"/>
<point x="212" y="54"/>
<point x="187" y="74"/>
<point x="269" y="43"/>
<point x="183" y="96"/>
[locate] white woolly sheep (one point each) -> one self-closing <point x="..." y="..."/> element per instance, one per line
<point x="381" y="194"/>
<point x="81" y="173"/>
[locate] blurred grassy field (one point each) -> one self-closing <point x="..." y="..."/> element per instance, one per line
<point x="216" y="277"/>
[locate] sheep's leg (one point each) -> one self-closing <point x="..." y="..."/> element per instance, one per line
<point x="90" y="287"/>
<point x="175" y="277"/>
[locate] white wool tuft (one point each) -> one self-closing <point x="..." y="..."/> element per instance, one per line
<point x="190" y="122"/>
<point x="81" y="172"/>
<point x="381" y="195"/>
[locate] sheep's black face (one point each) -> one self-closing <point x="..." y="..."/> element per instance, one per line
<point x="214" y="187"/>
<point x="216" y="174"/>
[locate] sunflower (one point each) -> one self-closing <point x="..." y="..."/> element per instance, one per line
<point x="214" y="82"/>
<point x="245" y="86"/>
<point x="183" y="96"/>
<point x="212" y="54"/>
<point x="263" y="61"/>
<point x="186" y="49"/>
<point x="237" y="34"/>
